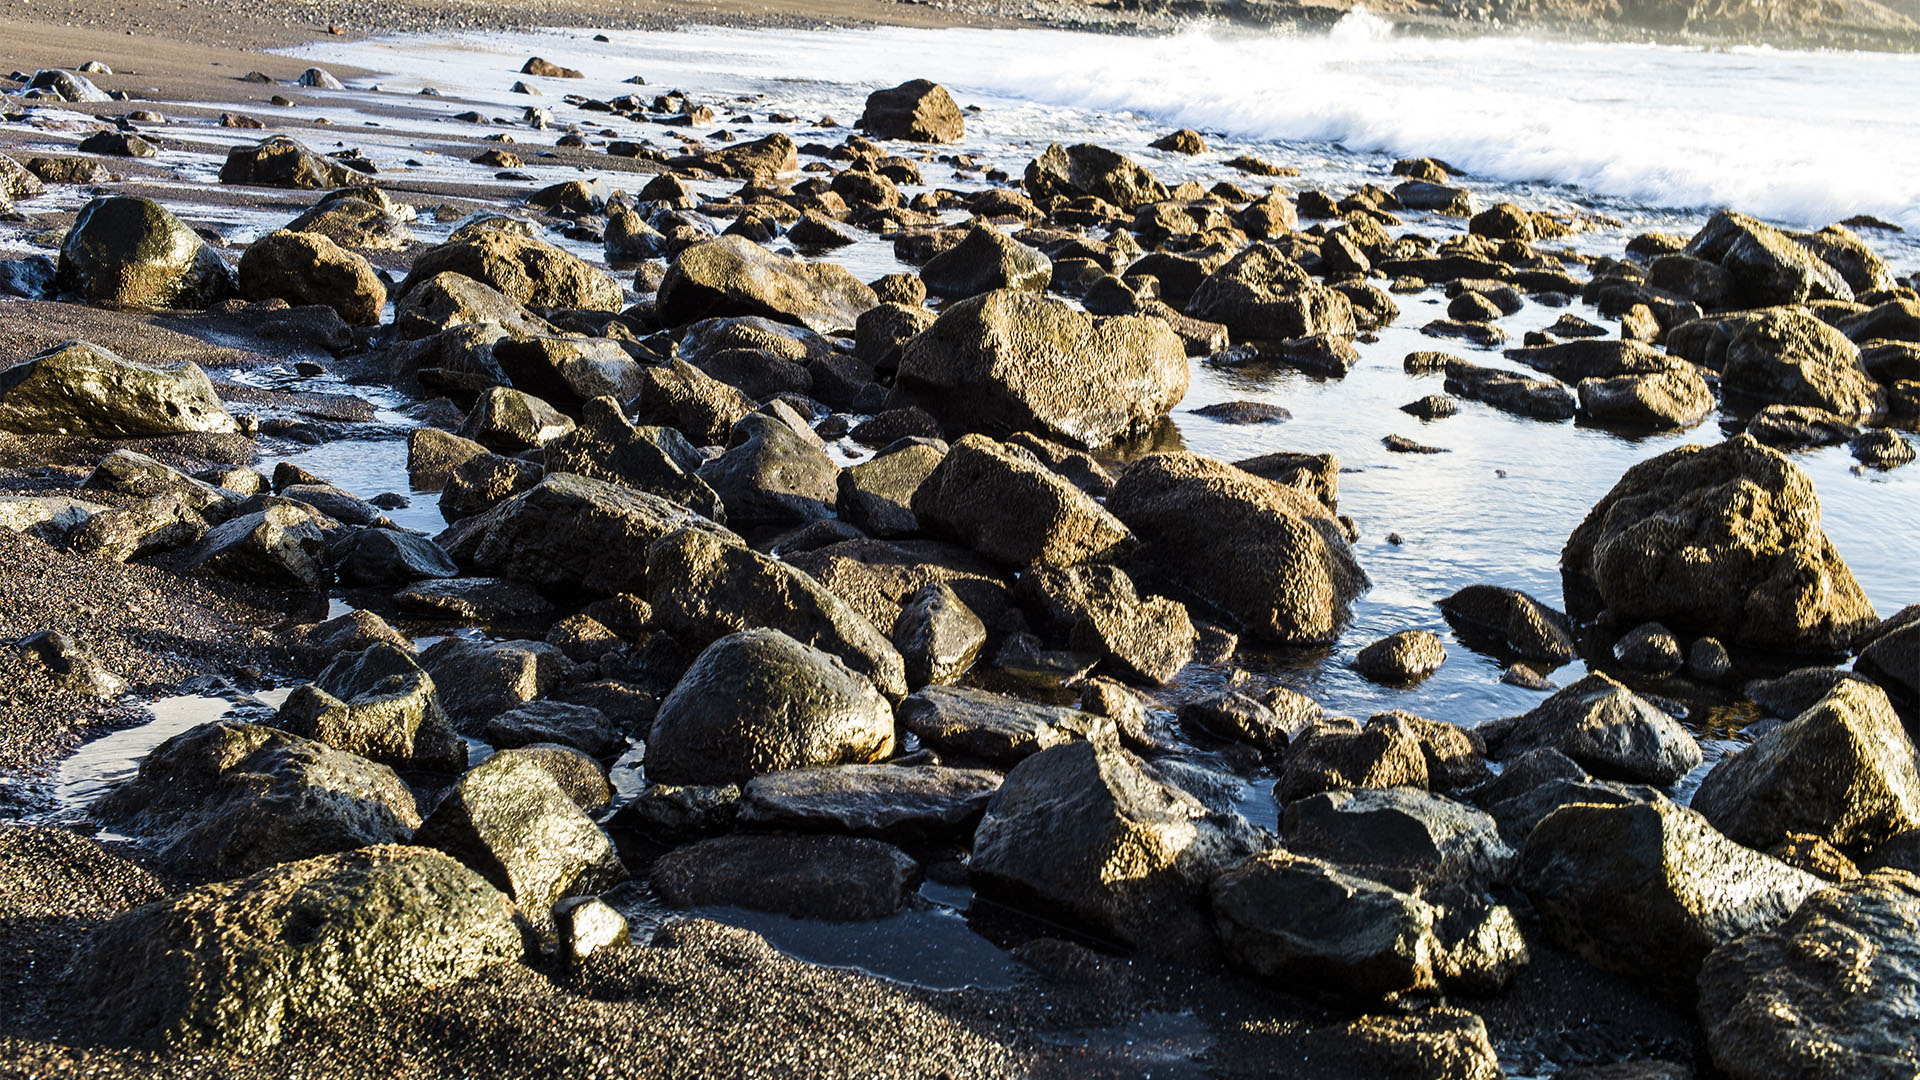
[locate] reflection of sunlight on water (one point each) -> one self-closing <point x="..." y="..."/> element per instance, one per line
<point x="100" y="765"/>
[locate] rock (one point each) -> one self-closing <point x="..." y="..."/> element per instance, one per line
<point x="1440" y="198"/>
<point x="225" y="799"/>
<point x="1893" y="658"/>
<point x="760" y="702"/>
<point x="1843" y="771"/>
<point x="1789" y="357"/>
<point x="67" y="86"/>
<point x="280" y="161"/>
<point x="358" y="217"/>
<point x="131" y="252"/>
<point x="993" y="364"/>
<point x="1401" y="659"/>
<point x="68" y="664"/>
<point x="1238" y="717"/>
<point x="1647" y="890"/>
<point x="1511" y="621"/>
<point x="1000" y="501"/>
<point x="1793" y="427"/>
<point x="478" y="680"/>
<point x="547" y="69"/>
<point x="905" y="804"/>
<point x="1072" y="172"/>
<point x="510" y="821"/>
<point x="1302" y="922"/>
<point x="1831" y="992"/>
<point x="917" y="111"/>
<point x="1607" y="728"/>
<point x="877" y="495"/>
<point x="390" y="559"/>
<point x="1442" y="1043"/>
<point x="1722" y="541"/>
<point x="583" y="779"/>
<point x="682" y="396"/>
<point x="82" y="389"/>
<point x="1261" y="295"/>
<point x="657" y="460"/>
<point x="448" y="300"/>
<point x="772" y="475"/>
<point x="317" y="645"/>
<point x="307" y="268"/>
<point x="1504" y="221"/>
<point x="1650" y="649"/>
<point x="578" y="726"/>
<point x="233" y="966"/>
<point x="1882" y="448"/>
<point x="986" y="259"/>
<point x="52" y="518"/>
<point x="1339" y="755"/>
<point x="117" y="144"/>
<point x="512" y="421"/>
<point x="1541" y="399"/>
<point x="1185" y="141"/>
<point x="1066" y="817"/>
<point x="475" y="599"/>
<point x="569" y="371"/>
<point x="1404" y="837"/>
<point x="523" y="269"/>
<point x="1268" y="556"/>
<point x="764" y="159"/>
<point x="1100" y="612"/>
<point x="833" y="878"/>
<point x="379" y="704"/>
<point x="992" y="728"/>
<point x="1674" y="396"/>
<point x="938" y="636"/>
<point x="1766" y="266"/>
<point x="586" y="925"/>
<point x="571" y="532"/>
<point x="704" y="587"/>
<point x="280" y="547"/>
<point x="733" y="276"/>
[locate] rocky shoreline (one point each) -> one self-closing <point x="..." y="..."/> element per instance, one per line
<point x="725" y="580"/>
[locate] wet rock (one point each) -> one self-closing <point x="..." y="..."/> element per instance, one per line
<point x="117" y="144"/>
<point x="1302" y="922"/>
<point x="682" y="396"/>
<point x="773" y="475"/>
<point x="280" y="161"/>
<point x="764" y="159"/>
<point x="67" y="86"/>
<point x="586" y="925"/>
<point x="307" y="268"/>
<point x="379" y="704"/>
<point x="1605" y="727"/>
<point x="1065" y="817"/>
<point x="513" y="824"/>
<point x="523" y="269"/>
<point x="1185" y="141"/>
<point x="233" y="966"/>
<point x="1340" y="755"/>
<point x="1831" y="992"/>
<point x="1511" y="621"/>
<point x="479" y="484"/>
<point x="1648" y="890"/>
<point x="1788" y="357"/>
<point x="834" y="878"/>
<point x="1238" y="717"/>
<point x="390" y="559"/>
<point x="1843" y="771"/>
<point x="1882" y="448"/>
<point x="904" y="804"/>
<point x="226" y="799"/>
<point x="1672" y="396"/>
<point x="877" y="495"/>
<point x="986" y="259"/>
<point x="1724" y="541"/>
<point x="448" y="300"/>
<point x="1766" y="266"/>
<point x="1404" y="837"/>
<point x="478" y="680"/>
<point x="1401" y="659"/>
<point x="1268" y="556"/>
<point x="1261" y="295"/>
<point x="279" y="547"/>
<point x="317" y="645"/>
<point x="360" y="218"/>
<point x="1440" y="198"/>
<point x="578" y="726"/>
<point x="657" y="460"/>
<point x="1650" y="649"/>
<point x="1098" y="610"/>
<point x="993" y="728"/>
<point x="131" y="252"/>
<point x="1893" y="659"/>
<point x="568" y="371"/>
<point x="1793" y="427"/>
<point x="917" y="111"/>
<point x="1084" y="169"/>
<point x="82" y="389"/>
<point x="993" y="364"/>
<point x="571" y="532"/>
<point x="733" y="276"/>
<point x="476" y="599"/>
<point x="1542" y="399"/>
<point x="705" y="587"/>
<point x="999" y="500"/>
<point x="547" y="69"/>
<point x="1442" y="1043"/>
<point x="938" y="636"/>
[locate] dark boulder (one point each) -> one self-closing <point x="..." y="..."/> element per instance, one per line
<point x="130" y="252"/>
<point x="834" y="878"/>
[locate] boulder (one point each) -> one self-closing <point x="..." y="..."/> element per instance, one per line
<point x="1008" y="361"/>
<point x="225" y="799"/>
<point x="1444" y="1042"/>
<point x="1401" y="659"/>
<point x="1261" y="295"/>
<point x="370" y="223"/>
<point x="234" y="966"/>
<point x="379" y="704"/>
<point x="446" y="300"/>
<point x="917" y="111"/>
<point x="382" y="558"/>
<point x="1675" y="396"/>
<point x="681" y="396"/>
<point x="732" y="275"/>
<point x="1893" y="660"/>
<point x="568" y="371"/>
<point x="1082" y="170"/>
<point x="1081" y="831"/>
<point x="130" y="252"/>
<point x="513" y="823"/>
<point x="1099" y="612"/>
<point x="832" y="878"/>
<point x="1788" y="357"/>
<point x="1832" y="992"/>
<point x="764" y="159"/>
<point x="938" y="635"/>
<point x="1766" y="266"/>
<point x="1647" y="890"/>
<point x="1265" y="555"/>
<point x="657" y="460"/>
<point x="1509" y="620"/>
<point x="480" y="679"/>
<point x="992" y="728"/>
<point x="580" y="727"/>
<point x="525" y="270"/>
<point x="876" y="495"/>
<point x="901" y="803"/>
<point x="759" y="702"/>
<point x="281" y="161"/>
<point x="705" y="587"/>
<point x="82" y="389"/>
<point x="999" y="500"/>
<point x="986" y="259"/>
<point x="280" y="547"/>
<point x="1843" y="771"/>
<point x="1340" y="755"/>
<point x="1405" y="837"/>
<point x="308" y="268"/>
<point x="1722" y="541"/>
<point x="1606" y="728"/>
<point x="772" y="474"/>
